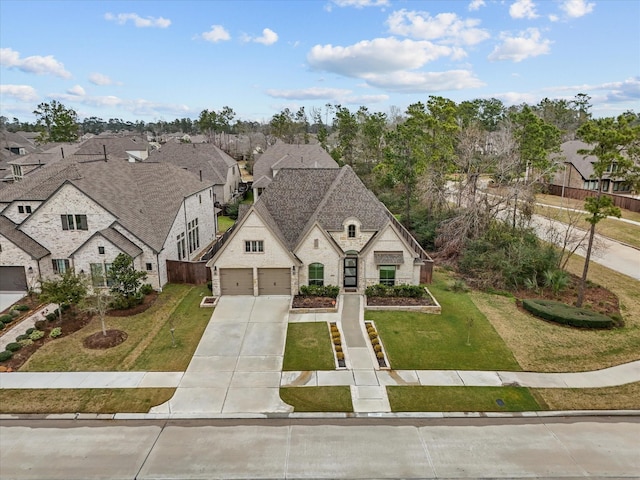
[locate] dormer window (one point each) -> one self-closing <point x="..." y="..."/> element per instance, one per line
<point x="351" y="231"/>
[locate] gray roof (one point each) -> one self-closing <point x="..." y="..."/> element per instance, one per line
<point x="197" y="158"/>
<point x="284" y="155"/>
<point x="297" y="198"/>
<point x="582" y="163"/>
<point x="9" y="230"/>
<point x="116" y="147"/>
<point x="145" y="197"/>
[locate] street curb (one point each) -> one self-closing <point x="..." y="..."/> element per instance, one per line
<point x="325" y="416"/>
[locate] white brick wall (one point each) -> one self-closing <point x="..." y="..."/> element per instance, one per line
<point x="325" y="253"/>
<point x="389" y="241"/>
<point x="12" y="213"/>
<point x="11" y="255"/>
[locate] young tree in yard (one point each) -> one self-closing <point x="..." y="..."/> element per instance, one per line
<point x="69" y="289"/>
<point x="56" y="122"/>
<point x="97" y="304"/>
<point x="615" y="142"/>
<point x="126" y="280"/>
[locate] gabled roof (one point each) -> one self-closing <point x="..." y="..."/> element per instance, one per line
<point x="116" y="147"/>
<point x="197" y="158"/>
<point x="145" y="197"/>
<point x="9" y="230"/>
<point x="297" y="198"/>
<point x="284" y="155"/>
<point x="582" y="163"/>
<point x="117" y="239"/>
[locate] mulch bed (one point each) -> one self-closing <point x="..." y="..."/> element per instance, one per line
<point x="399" y="301"/>
<point x="302" y="301"/>
<point x="100" y="341"/>
<point x="147" y="301"/>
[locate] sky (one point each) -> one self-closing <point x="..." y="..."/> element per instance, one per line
<point x="162" y="60"/>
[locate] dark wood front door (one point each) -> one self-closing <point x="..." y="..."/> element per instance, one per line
<point x="351" y="272"/>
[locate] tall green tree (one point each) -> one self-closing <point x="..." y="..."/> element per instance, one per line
<point x="126" y="280"/>
<point x="68" y="289"/>
<point x="56" y="123"/>
<point x="615" y="142"/>
<point x="346" y="124"/>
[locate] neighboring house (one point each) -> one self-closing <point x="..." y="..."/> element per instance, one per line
<point x="282" y="155"/>
<point x="130" y="148"/>
<point x="207" y="162"/>
<point x="316" y="227"/>
<point x="578" y="171"/>
<point x="80" y="215"/>
<point x="24" y="165"/>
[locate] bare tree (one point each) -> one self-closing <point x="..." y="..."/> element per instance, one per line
<point x="98" y="304"/>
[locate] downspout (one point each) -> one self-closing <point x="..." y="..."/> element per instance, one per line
<point x="184" y="204"/>
<point x="158" y="270"/>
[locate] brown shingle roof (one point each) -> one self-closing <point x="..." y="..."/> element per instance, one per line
<point x="25" y="242"/>
<point x="292" y="156"/>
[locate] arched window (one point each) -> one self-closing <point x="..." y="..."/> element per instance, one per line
<point x="351" y="231"/>
<point x="316" y="274"/>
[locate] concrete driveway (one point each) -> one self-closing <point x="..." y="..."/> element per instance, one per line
<point x="236" y="367"/>
<point x="9" y="298"/>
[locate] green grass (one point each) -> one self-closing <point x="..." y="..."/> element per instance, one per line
<point x="90" y="400"/>
<point x="460" y="399"/>
<point x="420" y="341"/>
<point x="318" y="399"/>
<point x="148" y="345"/>
<point x="308" y="347"/>
<point x="225" y="223"/>
<point x="248" y="197"/>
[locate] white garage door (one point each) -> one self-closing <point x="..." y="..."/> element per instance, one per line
<point x="236" y="281"/>
<point x="13" y="279"/>
<point x="274" y="281"/>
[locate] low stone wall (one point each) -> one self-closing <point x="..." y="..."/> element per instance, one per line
<point x="434" y="309"/>
<point x="334" y="309"/>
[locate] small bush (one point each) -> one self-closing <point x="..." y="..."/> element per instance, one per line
<point x="567" y="314"/>
<point x="56" y="332"/>
<point x="459" y="286"/>
<point x="25" y="342"/>
<point x="6" y="355"/>
<point x="375" y="341"/>
<point x="340" y="355"/>
<point x="377" y="348"/>
<point x="330" y="291"/>
<point x="24" y="336"/>
<point x="51" y="317"/>
<point x="39" y="324"/>
<point x="373" y="335"/>
<point x="338" y="348"/>
<point x="36" y="335"/>
<point x="65" y="307"/>
<point x="30" y="330"/>
<point x="14" y="313"/>
<point x="377" y="291"/>
<point x="146" y="289"/>
<point x="6" y="318"/>
<point x="21" y="308"/>
<point x="379" y="355"/>
<point x="1" y="326"/>
<point x="210" y="286"/>
<point x="404" y="290"/>
<point x="13" y="346"/>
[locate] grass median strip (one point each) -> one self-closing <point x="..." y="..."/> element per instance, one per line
<point x="308" y="347"/>
<point x="91" y="400"/>
<point x="318" y="399"/>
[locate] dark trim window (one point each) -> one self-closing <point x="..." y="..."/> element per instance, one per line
<point x="182" y="246"/>
<point x="101" y="250"/>
<point x="194" y="235"/>
<point x="74" y="222"/>
<point x="149" y="266"/>
<point x="100" y="274"/>
<point x="60" y="265"/>
<point x="254" y="246"/>
<point x="351" y="231"/>
<point x="316" y="274"/>
<point x="388" y="275"/>
<point x="20" y="208"/>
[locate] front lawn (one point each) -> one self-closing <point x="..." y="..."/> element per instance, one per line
<point x="148" y="345"/>
<point x="318" y="399"/>
<point x="308" y="347"/>
<point x="461" y="399"/>
<point x="461" y="338"/>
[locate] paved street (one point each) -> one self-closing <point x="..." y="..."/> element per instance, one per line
<point x="348" y="448"/>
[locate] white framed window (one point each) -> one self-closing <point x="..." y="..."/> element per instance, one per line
<point x="316" y="274"/>
<point x="254" y="246"/>
<point x="60" y="265"/>
<point x="193" y="235"/>
<point x="351" y="231"/>
<point x="182" y="246"/>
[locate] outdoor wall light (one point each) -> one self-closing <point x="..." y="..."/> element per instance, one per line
<point x="30" y="270"/>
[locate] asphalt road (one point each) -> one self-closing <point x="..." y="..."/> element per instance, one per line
<point x="578" y="447"/>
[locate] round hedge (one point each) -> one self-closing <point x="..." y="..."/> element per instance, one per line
<point x="567" y="314"/>
<point x="5" y="355"/>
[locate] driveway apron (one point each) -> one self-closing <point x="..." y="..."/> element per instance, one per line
<point x="236" y="367"/>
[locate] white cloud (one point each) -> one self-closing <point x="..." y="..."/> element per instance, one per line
<point x="621" y="91"/>
<point x="361" y="3"/>
<point x="380" y="55"/>
<point x="420" y="82"/>
<point x="24" y="93"/>
<point x="523" y="9"/>
<point x="216" y="34"/>
<point x="137" y="107"/>
<point x="269" y="37"/>
<point x="447" y="27"/>
<point x="528" y="44"/>
<point x="101" y="79"/>
<point x="553" y="18"/>
<point x="137" y="20"/>
<point x="35" y="64"/>
<point x="77" y="90"/>
<point x="576" y="8"/>
<point x="312" y="93"/>
<point x="516" y="98"/>
<point x="475" y="5"/>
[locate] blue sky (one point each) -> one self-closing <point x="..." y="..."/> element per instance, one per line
<point x="161" y="60"/>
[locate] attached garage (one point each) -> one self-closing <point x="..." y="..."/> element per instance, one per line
<point x="13" y="279"/>
<point x="236" y="281"/>
<point x="274" y="281"/>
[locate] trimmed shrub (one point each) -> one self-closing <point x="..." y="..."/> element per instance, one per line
<point x="36" y="335"/>
<point x="210" y="286"/>
<point x="56" y="332"/>
<point x="377" y="291"/>
<point x="340" y="355"/>
<point x="21" y="308"/>
<point x="1" y="326"/>
<point x="51" y="316"/>
<point x="146" y="289"/>
<point x="24" y="336"/>
<point x="14" y="313"/>
<point x="25" y="342"/>
<point x="39" y="324"/>
<point x="330" y="291"/>
<point x="30" y="330"/>
<point x="6" y="355"/>
<point x="567" y="314"/>
<point x="6" y="318"/>
<point x="404" y="290"/>
<point x="13" y="346"/>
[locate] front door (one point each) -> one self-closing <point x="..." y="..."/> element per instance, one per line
<point x="351" y="272"/>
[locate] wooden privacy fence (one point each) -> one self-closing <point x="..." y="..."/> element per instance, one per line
<point x="195" y="273"/>
<point x="628" y="203"/>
